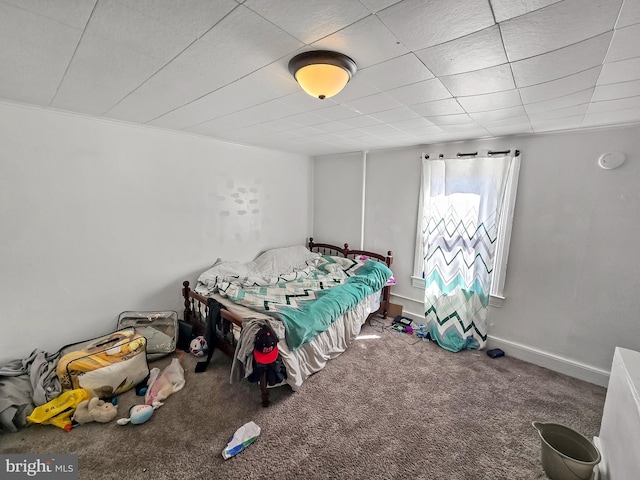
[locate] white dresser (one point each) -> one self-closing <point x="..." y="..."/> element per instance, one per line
<point x="619" y="440"/>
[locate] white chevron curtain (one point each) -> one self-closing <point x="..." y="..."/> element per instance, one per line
<point x="461" y="202"/>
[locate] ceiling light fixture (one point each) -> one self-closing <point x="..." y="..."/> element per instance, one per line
<point x="321" y="73"/>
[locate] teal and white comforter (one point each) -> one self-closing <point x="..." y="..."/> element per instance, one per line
<point x="309" y="304"/>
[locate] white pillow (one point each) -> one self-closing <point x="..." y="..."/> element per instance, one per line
<point x="286" y="259"/>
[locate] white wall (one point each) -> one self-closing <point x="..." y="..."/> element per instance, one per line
<point x="573" y="272"/>
<point x="98" y="217"/>
<point x="338" y="188"/>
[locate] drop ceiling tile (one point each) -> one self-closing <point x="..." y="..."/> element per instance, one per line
<point x="331" y="127"/>
<point x="278" y="136"/>
<point x="562" y="86"/>
<point x="630" y="14"/>
<point x="250" y="132"/>
<point x="493" y="115"/>
<point x="336" y="112"/>
<point x="374" y="103"/>
<point x="38" y="50"/>
<point x="511" y="129"/>
<point x="557" y="124"/>
<point x="118" y="24"/>
<point x="73" y="13"/>
<point x="563" y="62"/>
<point x="472" y="52"/>
<point x="34" y="75"/>
<point x="327" y="138"/>
<point x="421" y="92"/>
<point x="448" y="106"/>
<point x="616" y="90"/>
<point x="443" y="120"/>
<point x="457" y="133"/>
<point x="625" y="44"/>
<point x="377" y="5"/>
<point x="172" y="87"/>
<point x="270" y="83"/>
<point x="356" y="88"/>
<point x="193" y="16"/>
<point x="256" y="88"/>
<point x="559" y="25"/>
<point x="244" y="118"/>
<point x="505" y="122"/>
<point x="378" y="129"/>
<point x="369" y="40"/>
<point x="488" y="80"/>
<point x="283" y="124"/>
<point x="121" y="48"/>
<point x="101" y="74"/>
<point x="302" y="100"/>
<point x="559" y="113"/>
<point x="21" y="27"/>
<point x="350" y="133"/>
<point x="506" y="9"/>
<point x="308" y="20"/>
<point x="306" y="119"/>
<point x="571" y="100"/>
<point x="612" y="105"/>
<point x="617" y="117"/>
<point x="385" y="75"/>
<point x="412" y="123"/>
<point x="305" y="133"/>
<point x="395" y="115"/>
<point x="490" y="101"/>
<point x="360" y="121"/>
<point x="425" y="131"/>
<point x="419" y="24"/>
<point x="622" y="71"/>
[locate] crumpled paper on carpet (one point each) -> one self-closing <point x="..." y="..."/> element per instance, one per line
<point x="240" y="440"/>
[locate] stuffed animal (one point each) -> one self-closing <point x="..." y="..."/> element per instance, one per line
<point x="94" y="410"/>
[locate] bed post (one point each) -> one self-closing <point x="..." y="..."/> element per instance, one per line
<point x="262" y="383"/>
<point x="187" y="306"/>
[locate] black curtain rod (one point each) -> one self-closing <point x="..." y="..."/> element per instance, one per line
<point x="473" y="154"/>
<point x="502" y="152"/>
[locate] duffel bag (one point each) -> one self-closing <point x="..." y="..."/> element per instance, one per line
<point x="159" y="328"/>
<point x="105" y="366"/>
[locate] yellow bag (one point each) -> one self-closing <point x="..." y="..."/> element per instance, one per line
<point x="105" y="366"/>
<point x="59" y="410"/>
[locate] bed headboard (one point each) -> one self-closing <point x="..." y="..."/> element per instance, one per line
<point x="328" y="249"/>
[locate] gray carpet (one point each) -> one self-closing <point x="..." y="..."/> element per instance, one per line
<point x="388" y="408"/>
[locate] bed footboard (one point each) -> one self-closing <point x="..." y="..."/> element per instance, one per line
<point x="196" y="312"/>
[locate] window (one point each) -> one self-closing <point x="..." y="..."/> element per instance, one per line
<point x="466" y="200"/>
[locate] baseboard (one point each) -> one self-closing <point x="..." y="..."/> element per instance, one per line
<point x="552" y="362"/>
<point x="544" y="359"/>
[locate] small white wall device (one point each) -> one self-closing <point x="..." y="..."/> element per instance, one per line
<point x="611" y="160"/>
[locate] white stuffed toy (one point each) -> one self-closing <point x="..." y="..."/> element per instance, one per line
<point x="94" y="410"/>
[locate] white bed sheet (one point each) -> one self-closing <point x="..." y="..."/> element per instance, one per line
<point x="310" y="357"/>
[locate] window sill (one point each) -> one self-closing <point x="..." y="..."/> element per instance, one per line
<point x="494" y="300"/>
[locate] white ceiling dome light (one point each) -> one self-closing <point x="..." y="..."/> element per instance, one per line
<point x="322" y="73"/>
